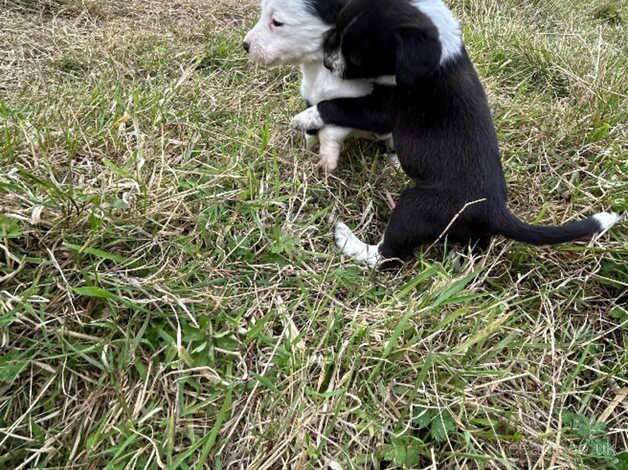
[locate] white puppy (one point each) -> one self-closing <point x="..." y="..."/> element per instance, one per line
<point x="291" y="32"/>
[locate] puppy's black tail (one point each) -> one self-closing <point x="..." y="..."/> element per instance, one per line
<point x="507" y="224"/>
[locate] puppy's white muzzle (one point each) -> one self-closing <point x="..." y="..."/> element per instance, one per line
<point x="257" y="54"/>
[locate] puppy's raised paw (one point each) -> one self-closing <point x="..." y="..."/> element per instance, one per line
<point x="308" y="120"/>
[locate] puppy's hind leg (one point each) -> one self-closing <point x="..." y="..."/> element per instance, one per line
<point x="412" y="222"/>
<point x="418" y="217"/>
<point x="331" y="139"/>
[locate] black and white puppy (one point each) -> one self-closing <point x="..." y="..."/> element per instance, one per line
<point x="442" y="127"/>
<point x="291" y="32"/>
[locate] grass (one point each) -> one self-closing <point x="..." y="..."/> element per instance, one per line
<point x="170" y="294"/>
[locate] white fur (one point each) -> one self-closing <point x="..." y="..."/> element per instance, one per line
<point x="319" y="84"/>
<point x="354" y="247"/>
<point x="330" y="137"/>
<point x="446" y="24"/>
<point x="299" y="41"/>
<point x="308" y="119"/>
<point x="606" y="220"/>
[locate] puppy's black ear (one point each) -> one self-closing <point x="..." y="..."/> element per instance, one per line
<point x="418" y="55"/>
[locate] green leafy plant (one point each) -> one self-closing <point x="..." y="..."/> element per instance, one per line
<point x="592" y="435"/>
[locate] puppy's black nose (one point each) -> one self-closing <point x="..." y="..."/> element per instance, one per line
<point x="246" y="46"/>
<point x="327" y="64"/>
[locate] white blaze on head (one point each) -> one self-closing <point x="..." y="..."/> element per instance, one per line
<point x="298" y="40"/>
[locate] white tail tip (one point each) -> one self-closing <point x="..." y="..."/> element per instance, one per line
<point x="606" y="220"/>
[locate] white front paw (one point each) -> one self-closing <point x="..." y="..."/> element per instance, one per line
<point x="328" y="163"/>
<point x="308" y="120"/>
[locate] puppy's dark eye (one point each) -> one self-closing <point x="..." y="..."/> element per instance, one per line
<point x="277" y="24"/>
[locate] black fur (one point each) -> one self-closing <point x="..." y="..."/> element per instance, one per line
<point x="442" y="127"/>
<point x="373" y="113"/>
<point x="327" y="10"/>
